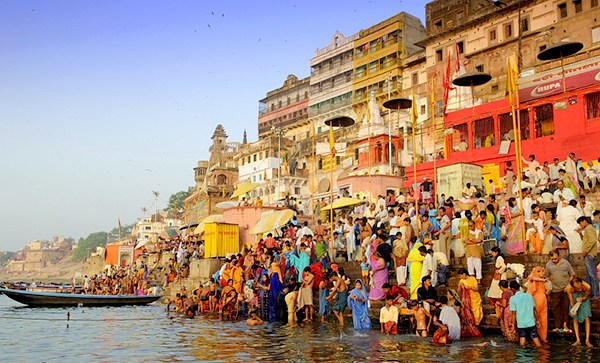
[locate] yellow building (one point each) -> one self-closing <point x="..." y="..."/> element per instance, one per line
<point x="379" y="53"/>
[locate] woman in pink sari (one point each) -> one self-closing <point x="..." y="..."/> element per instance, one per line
<point x="512" y="214"/>
<point x="380" y="277"/>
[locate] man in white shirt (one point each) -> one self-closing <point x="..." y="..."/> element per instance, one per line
<point x="445" y="236"/>
<point x="590" y="177"/>
<point x="527" y="203"/>
<point x="567" y="219"/>
<point x="586" y="208"/>
<point x="554" y="174"/>
<point x="401" y="198"/>
<point x="532" y="165"/>
<point x="541" y="178"/>
<point x="571" y="168"/>
<point x="469" y="191"/>
<point x="562" y="196"/>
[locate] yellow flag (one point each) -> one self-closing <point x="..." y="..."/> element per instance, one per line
<point x="413" y="112"/>
<point x="511" y="78"/>
<point x="331" y="141"/>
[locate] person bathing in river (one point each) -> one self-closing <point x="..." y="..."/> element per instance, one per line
<point x="422" y="319"/>
<point x="340" y="294"/>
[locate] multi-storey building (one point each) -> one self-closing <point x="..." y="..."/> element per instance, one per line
<point x="482" y="36"/>
<point x="379" y="53"/>
<point x="285" y="108"/>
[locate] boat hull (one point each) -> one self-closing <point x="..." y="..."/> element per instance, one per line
<point x="54" y="299"/>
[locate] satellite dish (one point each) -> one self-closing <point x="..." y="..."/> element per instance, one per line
<point x="324" y="185"/>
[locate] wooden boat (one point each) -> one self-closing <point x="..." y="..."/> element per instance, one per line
<point x="51" y="299"/>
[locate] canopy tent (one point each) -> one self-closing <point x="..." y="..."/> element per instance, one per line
<point x="243" y="189"/>
<point x="272" y="221"/>
<point x="342" y="203"/>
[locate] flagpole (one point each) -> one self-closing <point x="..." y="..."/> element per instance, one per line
<point x="434" y="144"/>
<point x="331" y="163"/>
<point x="314" y="172"/>
<point x="514" y="92"/>
<point x="414" y="147"/>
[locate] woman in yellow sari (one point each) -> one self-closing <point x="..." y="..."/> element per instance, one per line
<point x="416" y="266"/>
<point x="237" y="276"/>
<point x="275" y="267"/>
<point x="469" y="288"/>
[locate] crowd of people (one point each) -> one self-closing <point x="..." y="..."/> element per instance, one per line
<point x="413" y="239"/>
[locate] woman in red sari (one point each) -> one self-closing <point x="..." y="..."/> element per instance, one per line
<point x="509" y="330"/>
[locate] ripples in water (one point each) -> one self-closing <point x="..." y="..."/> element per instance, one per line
<point x="148" y="334"/>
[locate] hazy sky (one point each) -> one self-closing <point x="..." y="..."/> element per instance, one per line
<point x="102" y="102"/>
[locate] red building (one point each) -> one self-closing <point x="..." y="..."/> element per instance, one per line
<point x="553" y="122"/>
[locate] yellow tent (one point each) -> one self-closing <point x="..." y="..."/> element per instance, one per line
<point x="243" y="189"/>
<point x="342" y="202"/>
<point x="272" y="221"/>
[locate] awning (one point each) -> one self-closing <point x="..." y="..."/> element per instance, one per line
<point x="243" y="189"/>
<point x="342" y="203"/>
<point x="273" y="221"/>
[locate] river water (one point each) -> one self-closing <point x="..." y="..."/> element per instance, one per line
<point x="148" y="334"/>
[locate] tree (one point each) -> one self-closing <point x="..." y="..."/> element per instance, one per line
<point x="87" y="245"/>
<point x="175" y="204"/>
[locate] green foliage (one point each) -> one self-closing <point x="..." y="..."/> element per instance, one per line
<point x="5" y="257"/>
<point x="175" y="204"/>
<point x="87" y="245"/>
<point x="125" y="231"/>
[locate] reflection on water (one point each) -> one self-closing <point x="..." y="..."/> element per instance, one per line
<point x="147" y="334"/>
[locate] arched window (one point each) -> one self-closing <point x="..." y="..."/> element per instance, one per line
<point x="378" y="152"/>
<point x="221" y="179"/>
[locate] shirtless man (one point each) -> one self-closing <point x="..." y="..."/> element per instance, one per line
<point x="421" y="318"/>
<point x="308" y="279"/>
<point x="339" y="292"/>
<point x="203" y="295"/>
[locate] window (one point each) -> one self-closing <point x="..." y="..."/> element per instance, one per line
<point x="415" y="79"/>
<point x="596" y="35"/>
<point x="483" y="133"/>
<point x="288" y="101"/>
<point x="422" y="109"/>
<point x="594" y="3"/>
<point x="460" y="137"/>
<point x="525" y="24"/>
<point x="461" y="47"/>
<point x="320" y="166"/>
<point x="562" y="10"/>
<point x="254" y="157"/>
<point x="495" y="88"/>
<point x="479" y="68"/>
<point x="578" y="6"/>
<point x="492" y="34"/>
<point x="543" y="117"/>
<point x="439" y="55"/>
<point x="438" y="24"/>
<point x="592" y="105"/>
<point x="508" y="30"/>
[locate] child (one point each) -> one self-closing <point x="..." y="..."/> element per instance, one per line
<point x="535" y="235"/>
<point x="365" y="268"/>
<point x="388" y="317"/>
